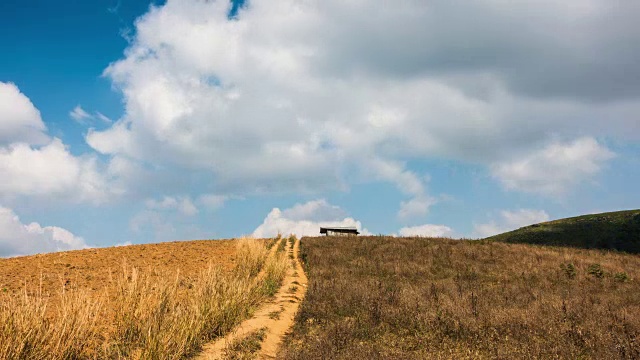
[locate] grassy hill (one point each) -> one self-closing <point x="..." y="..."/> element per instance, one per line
<point x="420" y="298"/>
<point x="618" y="230"/>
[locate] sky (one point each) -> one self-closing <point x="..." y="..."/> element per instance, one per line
<point x="129" y="121"/>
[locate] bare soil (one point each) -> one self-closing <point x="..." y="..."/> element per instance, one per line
<point x="92" y="269"/>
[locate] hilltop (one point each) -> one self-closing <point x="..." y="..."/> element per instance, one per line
<point x="618" y="230"/>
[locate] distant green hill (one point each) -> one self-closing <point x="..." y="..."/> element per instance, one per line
<point x="618" y="230"/>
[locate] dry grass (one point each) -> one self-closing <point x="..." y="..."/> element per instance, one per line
<point x="275" y="269"/>
<point x="142" y="315"/>
<point x="246" y="348"/>
<point x="251" y="255"/>
<point x="26" y="332"/>
<point x="404" y="298"/>
<point x="282" y="245"/>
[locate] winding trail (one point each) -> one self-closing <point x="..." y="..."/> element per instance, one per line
<point x="275" y="316"/>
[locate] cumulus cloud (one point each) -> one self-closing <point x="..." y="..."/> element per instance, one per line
<point x="304" y="96"/>
<point x="305" y="220"/>
<point x="554" y="169"/>
<point x="427" y="230"/>
<point x="52" y="171"/>
<point x="32" y="164"/>
<point x="511" y="220"/>
<point x="19" y="120"/>
<point x="17" y="238"/>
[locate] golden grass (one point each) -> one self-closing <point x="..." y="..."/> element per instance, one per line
<point x="251" y="256"/>
<point x="26" y="332"/>
<point x="149" y="315"/>
<point x="275" y="269"/>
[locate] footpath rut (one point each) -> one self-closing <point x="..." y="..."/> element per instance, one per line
<point x="276" y="316"/>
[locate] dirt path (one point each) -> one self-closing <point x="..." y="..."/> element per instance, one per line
<point x="275" y="317"/>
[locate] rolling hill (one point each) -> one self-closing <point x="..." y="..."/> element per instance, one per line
<point x="618" y="230"/>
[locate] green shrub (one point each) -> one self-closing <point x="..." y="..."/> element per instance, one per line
<point x="569" y="270"/>
<point x="621" y="277"/>
<point x="596" y="271"/>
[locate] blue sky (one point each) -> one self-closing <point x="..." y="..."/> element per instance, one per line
<point x="131" y="122"/>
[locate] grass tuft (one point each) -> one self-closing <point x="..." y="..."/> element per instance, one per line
<point x="247" y="347"/>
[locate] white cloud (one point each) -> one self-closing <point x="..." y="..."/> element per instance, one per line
<point x="182" y="204"/>
<point x="290" y="97"/>
<point x="19" y="120"/>
<point x="27" y="170"/>
<point x="304" y="220"/>
<point x="79" y="114"/>
<point x="103" y="117"/>
<point x="17" y="238"/>
<point x="555" y="169"/>
<point x="50" y="170"/>
<point x="291" y="100"/>
<point x="34" y="165"/>
<point x="408" y="183"/>
<point x="511" y="220"/>
<point x="82" y="116"/>
<point x="416" y="207"/>
<point x="318" y="210"/>
<point x="427" y="230"/>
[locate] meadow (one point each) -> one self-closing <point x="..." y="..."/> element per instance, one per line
<point x="138" y="313"/>
<point x="420" y="298"/>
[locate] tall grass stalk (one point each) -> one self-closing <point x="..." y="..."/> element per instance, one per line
<point x="274" y="271"/>
<point x="251" y="255"/>
<point x="28" y="331"/>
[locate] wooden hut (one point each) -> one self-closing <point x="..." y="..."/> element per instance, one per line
<point x="340" y="231"/>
